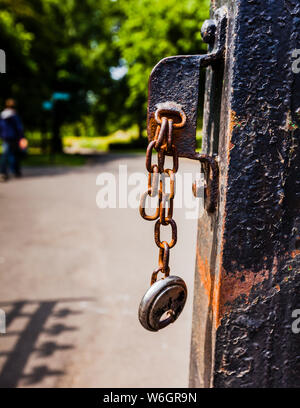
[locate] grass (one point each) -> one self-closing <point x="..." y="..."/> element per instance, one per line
<point x="100" y="143"/>
<point x="54" y="160"/>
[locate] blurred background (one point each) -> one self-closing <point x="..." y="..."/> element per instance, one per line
<point x="71" y="274"/>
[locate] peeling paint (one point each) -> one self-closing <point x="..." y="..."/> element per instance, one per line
<point x="255" y="285"/>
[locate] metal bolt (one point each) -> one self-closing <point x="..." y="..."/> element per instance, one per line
<point x="197" y="188"/>
<point x="208" y="31"/>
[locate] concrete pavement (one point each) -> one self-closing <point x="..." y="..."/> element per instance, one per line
<point x="72" y="276"/>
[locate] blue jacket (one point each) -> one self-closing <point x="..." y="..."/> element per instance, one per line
<point x="11" y="128"/>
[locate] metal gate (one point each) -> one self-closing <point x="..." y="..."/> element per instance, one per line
<point x="247" y="285"/>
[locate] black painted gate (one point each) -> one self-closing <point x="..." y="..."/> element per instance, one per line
<point x="247" y="285"/>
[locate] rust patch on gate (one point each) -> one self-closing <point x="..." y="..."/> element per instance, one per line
<point x="230" y="287"/>
<point x="237" y="285"/>
<point x="204" y="272"/>
<point x="208" y="283"/>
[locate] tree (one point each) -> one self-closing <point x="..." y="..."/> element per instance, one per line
<point x="152" y="30"/>
<point x="78" y="46"/>
<point x="61" y="46"/>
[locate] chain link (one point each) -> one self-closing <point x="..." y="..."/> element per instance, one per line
<point x="163" y="144"/>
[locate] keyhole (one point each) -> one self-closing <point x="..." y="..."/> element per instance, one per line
<point x="169" y="313"/>
<point x="166" y="318"/>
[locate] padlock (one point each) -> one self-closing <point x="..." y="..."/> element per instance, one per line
<point x="162" y="303"/>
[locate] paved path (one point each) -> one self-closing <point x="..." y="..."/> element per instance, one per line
<point x="72" y="276"/>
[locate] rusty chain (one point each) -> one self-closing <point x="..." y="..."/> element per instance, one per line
<point x="163" y="144"/>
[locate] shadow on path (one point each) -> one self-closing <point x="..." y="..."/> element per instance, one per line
<point x="13" y="368"/>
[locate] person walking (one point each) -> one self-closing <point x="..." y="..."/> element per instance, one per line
<point x="11" y="132"/>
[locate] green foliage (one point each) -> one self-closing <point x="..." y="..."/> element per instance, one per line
<point x="54" y="45"/>
<point x="74" y="46"/>
<point x="54" y="160"/>
<point x="152" y="30"/>
<point x="98" y="143"/>
<point x="85" y="127"/>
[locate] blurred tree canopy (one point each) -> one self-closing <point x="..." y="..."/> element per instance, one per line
<point x="152" y="30"/>
<point x="99" y="51"/>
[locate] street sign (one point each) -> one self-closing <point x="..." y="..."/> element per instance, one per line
<point x="61" y="96"/>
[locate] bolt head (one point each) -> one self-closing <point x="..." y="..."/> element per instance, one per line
<point x="208" y="31"/>
<point x="197" y="189"/>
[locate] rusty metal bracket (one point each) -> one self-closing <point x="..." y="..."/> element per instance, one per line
<point x="173" y="88"/>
